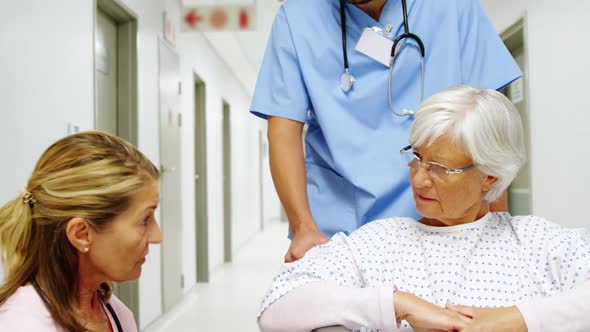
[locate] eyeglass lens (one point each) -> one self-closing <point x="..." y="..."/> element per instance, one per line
<point x="435" y="170"/>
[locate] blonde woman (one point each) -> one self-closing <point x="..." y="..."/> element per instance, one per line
<point x="84" y="219"/>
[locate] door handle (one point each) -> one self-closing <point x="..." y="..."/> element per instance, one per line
<point x="164" y="169"/>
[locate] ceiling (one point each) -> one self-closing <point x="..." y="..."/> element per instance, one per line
<point x="243" y="51"/>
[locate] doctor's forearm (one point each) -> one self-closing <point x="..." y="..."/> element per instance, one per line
<point x="287" y="167"/>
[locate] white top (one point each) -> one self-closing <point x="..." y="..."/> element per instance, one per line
<point x="499" y="260"/>
<point x="25" y="311"/>
<point x="568" y="310"/>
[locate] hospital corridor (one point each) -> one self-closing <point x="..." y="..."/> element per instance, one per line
<point x="226" y="302"/>
<point x="162" y="153"/>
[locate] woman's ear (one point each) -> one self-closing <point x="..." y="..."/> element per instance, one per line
<point x="79" y="234"/>
<point x="488" y="182"/>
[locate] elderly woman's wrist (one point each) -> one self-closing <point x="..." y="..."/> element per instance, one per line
<point x="400" y="300"/>
<point x="518" y="319"/>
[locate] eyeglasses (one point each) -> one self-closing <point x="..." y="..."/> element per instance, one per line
<point x="436" y="170"/>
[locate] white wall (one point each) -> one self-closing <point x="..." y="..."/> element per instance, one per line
<point x="504" y="13"/>
<point x="33" y="111"/>
<point x="38" y="66"/>
<point x="558" y="101"/>
<point x="48" y="80"/>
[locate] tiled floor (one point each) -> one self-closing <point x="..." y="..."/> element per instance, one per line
<point x="229" y="302"/>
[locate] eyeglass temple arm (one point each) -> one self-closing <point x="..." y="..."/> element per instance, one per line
<point x="405" y="149"/>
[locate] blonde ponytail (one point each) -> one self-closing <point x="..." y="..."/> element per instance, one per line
<point x="16" y="223"/>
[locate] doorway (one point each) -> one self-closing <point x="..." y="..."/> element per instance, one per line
<point x="106" y="71"/>
<point x="115" y="98"/>
<point x="519" y="192"/>
<point x="202" y="222"/>
<point x="115" y="69"/>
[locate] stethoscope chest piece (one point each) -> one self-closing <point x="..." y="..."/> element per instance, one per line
<point x="346" y="81"/>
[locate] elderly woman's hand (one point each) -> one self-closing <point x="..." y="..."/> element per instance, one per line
<point x="425" y="316"/>
<point x="506" y="319"/>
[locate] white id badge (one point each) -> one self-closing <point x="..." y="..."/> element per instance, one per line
<point x="375" y="46"/>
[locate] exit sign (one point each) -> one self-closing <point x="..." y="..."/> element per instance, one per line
<point x="219" y="18"/>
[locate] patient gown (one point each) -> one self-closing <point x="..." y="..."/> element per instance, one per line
<point x="499" y="260"/>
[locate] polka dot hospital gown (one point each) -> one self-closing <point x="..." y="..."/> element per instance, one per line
<point x="498" y="260"/>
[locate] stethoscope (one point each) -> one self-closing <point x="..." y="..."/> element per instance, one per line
<point x="46" y="301"/>
<point x="347" y="80"/>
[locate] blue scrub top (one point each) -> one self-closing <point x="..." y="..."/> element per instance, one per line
<point x="354" y="170"/>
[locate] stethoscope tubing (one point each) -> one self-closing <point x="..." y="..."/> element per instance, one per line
<point x="349" y="79"/>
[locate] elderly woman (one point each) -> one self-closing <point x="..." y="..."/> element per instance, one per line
<point x="85" y="219"/>
<point x="466" y="147"/>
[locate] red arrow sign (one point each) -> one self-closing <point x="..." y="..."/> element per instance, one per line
<point x="218" y="18"/>
<point x="192" y="18"/>
<point x="244" y="18"/>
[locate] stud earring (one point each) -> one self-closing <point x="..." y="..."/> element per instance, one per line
<point x="86" y="249"/>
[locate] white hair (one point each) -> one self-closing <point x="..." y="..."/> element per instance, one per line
<point x="483" y="123"/>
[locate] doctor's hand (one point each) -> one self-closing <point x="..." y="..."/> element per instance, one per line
<point x="304" y="239"/>
<point x="424" y="316"/>
<point x="507" y="319"/>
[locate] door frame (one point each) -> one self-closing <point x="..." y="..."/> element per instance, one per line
<point x="126" y="20"/>
<point x="514" y="37"/>
<point x="227" y="183"/>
